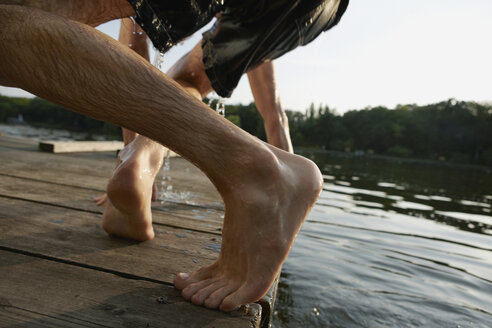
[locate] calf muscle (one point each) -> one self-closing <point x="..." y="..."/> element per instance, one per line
<point x="90" y="12"/>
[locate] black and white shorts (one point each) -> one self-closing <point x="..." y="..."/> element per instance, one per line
<point x="246" y="32"/>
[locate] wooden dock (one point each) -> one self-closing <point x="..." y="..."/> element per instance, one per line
<point x="58" y="268"/>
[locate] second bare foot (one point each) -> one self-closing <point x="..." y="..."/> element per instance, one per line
<point x="128" y="212"/>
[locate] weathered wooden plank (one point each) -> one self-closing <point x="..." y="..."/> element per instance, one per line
<point x="85" y="175"/>
<point x="43" y="293"/>
<point x="18" y="143"/>
<point x="94" y="170"/>
<point x="77" y="237"/>
<point x="55" y="146"/>
<point x="171" y="214"/>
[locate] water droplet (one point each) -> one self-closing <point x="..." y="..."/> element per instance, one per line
<point x="134" y="24"/>
<point x="219" y="103"/>
<point x="159" y="59"/>
<point x="166" y="184"/>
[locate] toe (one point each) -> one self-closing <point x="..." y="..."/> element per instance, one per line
<point x="215" y="299"/>
<point x="200" y="296"/>
<point x="243" y="295"/>
<point x="182" y="280"/>
<point x="191" y="289"/>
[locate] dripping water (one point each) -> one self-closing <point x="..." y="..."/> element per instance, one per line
<point x="166" y="183"/>
<point x="219" y="103"/>
<point x="134" y="31"/>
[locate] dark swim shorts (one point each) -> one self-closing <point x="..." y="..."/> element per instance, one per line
<point x="247" y="33"/>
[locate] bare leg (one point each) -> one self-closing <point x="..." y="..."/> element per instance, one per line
<point x="189" y="72"/>
<point x="133" y="36"/>
<point x="81" y="69"/>
<point x="128" y="211"/>
<point x="90" y="12"/>
<point x="264" y="89"/>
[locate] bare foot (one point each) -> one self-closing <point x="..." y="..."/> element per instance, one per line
<point x="101" y="200"/>
<point x="128" y="213"/>
<point x="263" y="216"/>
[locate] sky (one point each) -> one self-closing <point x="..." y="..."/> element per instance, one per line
<point x="383" y="52"/>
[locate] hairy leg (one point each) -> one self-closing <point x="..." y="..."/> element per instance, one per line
<point x="131" y="189"/>
<point x="138" y="42"/>
<point x="90" y="12"/>
<point x="189" y="72"/>
<point x="264" y="89"/>
<point x="79" y="68"/>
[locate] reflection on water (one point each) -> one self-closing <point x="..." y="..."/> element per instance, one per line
<point x="392" y="244"/>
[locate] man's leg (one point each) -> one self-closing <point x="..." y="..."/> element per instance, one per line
<point x="128" y="211"/>
<point x="132" y="35"/>
<point x="90" y="12"/>
<point x="131" y="189"/>
<point x="82" y="69"/>
<point x="190" y="72"/>
<point x="264" y="89"/>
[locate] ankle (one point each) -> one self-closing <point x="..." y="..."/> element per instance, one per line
<point x="256" y="176"/>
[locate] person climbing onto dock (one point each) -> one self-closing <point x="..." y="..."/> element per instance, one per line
<point x="50" y="49"/>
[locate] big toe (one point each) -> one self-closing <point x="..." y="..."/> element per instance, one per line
<point x="181" y="280"/>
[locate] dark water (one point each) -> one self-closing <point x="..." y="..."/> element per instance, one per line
<point x="392" y="245"/>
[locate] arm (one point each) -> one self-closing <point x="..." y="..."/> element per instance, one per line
<point x="264" y="89"/>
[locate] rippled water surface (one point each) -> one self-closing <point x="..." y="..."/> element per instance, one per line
<point x="392" y="244"/>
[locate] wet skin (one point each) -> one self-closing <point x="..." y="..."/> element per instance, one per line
<point x="267" y="192"/>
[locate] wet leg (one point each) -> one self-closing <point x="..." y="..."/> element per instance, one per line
<point x="90" y="12"/>
<point x="133" y="36"/>
<point x="131" y="189"/>
<point x="86" y="71"/>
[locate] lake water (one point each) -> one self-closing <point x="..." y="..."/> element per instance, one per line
<point x="392" y="244"/>
<point x="388" y="244"/>
<point x="28" y="131"/>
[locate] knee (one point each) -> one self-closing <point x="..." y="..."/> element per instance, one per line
<point x="197" y="83"/>
<point x="189" y="72"/>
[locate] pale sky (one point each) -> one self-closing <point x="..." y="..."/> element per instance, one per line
<point x="383" y="52"/>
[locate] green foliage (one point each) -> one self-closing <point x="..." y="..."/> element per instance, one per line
<point x="457" y="131"/>
<point x="41" y="113"/>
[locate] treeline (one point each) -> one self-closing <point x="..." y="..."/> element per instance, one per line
<point x="451" y="130"/>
